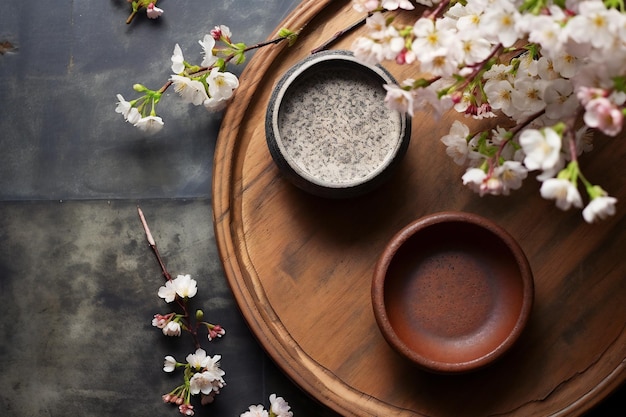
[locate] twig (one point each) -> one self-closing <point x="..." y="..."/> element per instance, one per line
<point x="339" y="34"/>
<point x="153" y="245"/>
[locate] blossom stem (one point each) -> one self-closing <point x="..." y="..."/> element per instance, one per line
<point x="478" y="68"/>
<point x="153" y="245"/>
<point x="259" y="45"/>
<point x="435" y="12"/>
<point x="339" y="34"/>
<point x="131" y="17"/>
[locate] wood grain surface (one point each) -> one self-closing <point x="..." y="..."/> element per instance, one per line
<point x="300" y="267"/>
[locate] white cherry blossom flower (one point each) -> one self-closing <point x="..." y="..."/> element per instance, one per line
<point x="599" y="208"/>
<point x="168" y="291"/>
<point x="542" y="148"/>
<point x="474" y="49"/>
<point x="563" y="191"/>
<point x="601" y="113"/>
<point x="178" y="61"/>
<point x="500" y="94"/>
<point x="255" y="411"/>
<point x="215" y="105"/>
<point x="367" y="50"/>
<point x="192" y="91"/>
<point x="474" y="178"/>
<point x="221" y="84"/>
<point x="511" y="174"/>
<point x="440" y="64"/>
<point x="566" y="64"/>
<point x="126" y="109"/>
<point x="467" y="17"/>
<point x="169" y="364"/>
<point x="207" y="43"/>
<point x="133" y="116"/>
<point x="150" y="124"/>
<point x="499" y="23"/>
<point x="499" y="72"/>
<point x="377" y="26"/>
<point x="185" y="286"/>
<point x="527" y="97"/>
<point x="197" y="360"/>
<point x="365" y="5"/>
<point x="432" y="39"/>
<point x="212" y="367"/>
<point x="545" y="69"/>
<point x="172" y="328"/>
<point x="123" y="106"/>
<point x="153" y="12"/>
<point x="280" y="407"/>
<point x="456" y="142"/>
<point x="201" y="382"/>
<point x="398" y="98"/>
<point x="385" y="35"/>
<point x="593" y="24"/>
<point x="428" y="99"/>
<point x="544" y="30"/>
<point x="559" y="98"/>
<point x="397" y="4"/>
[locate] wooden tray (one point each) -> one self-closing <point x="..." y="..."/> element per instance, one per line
<point x="300" y="267"/>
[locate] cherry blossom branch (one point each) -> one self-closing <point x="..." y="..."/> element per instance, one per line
<point x="432" y="14"/>
<point x="203" y="70"/>
<point x="193" y="330"/>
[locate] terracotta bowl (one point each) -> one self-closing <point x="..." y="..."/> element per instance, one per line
<point x="452" y="292"/>
<point x="328" y="128"/>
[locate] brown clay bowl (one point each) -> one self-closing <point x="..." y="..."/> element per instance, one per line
<point x="452" y="292"/>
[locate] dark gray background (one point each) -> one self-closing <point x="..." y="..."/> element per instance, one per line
<point x="77" y="281"/>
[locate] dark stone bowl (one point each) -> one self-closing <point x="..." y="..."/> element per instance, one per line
<point x="328" y="128"/>
<point x="452" y="292"/>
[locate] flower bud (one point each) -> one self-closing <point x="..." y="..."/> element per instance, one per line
<point x="199" y="315"/>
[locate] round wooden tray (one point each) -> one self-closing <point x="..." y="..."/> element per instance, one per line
<point x="300" y="267"/>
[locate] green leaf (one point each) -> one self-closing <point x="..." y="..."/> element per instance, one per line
<point x="240" y="58"/>
<point x="619" y="83"/>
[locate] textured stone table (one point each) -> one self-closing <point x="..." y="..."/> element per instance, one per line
<point x="77" y="281"/>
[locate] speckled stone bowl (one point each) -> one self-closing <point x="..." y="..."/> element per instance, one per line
<point x="328" y="129"/>
<point x="452" y="292"/>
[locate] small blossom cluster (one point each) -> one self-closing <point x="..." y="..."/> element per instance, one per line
<point x="152" y="12"/>
<point x="542" y="65"/>
<point x="202" y="376"/>
<point x="207" y="84"/>
<point x="202" y="373"/>
<point x="278" y="408"/>
<point x="181" y="288"/>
